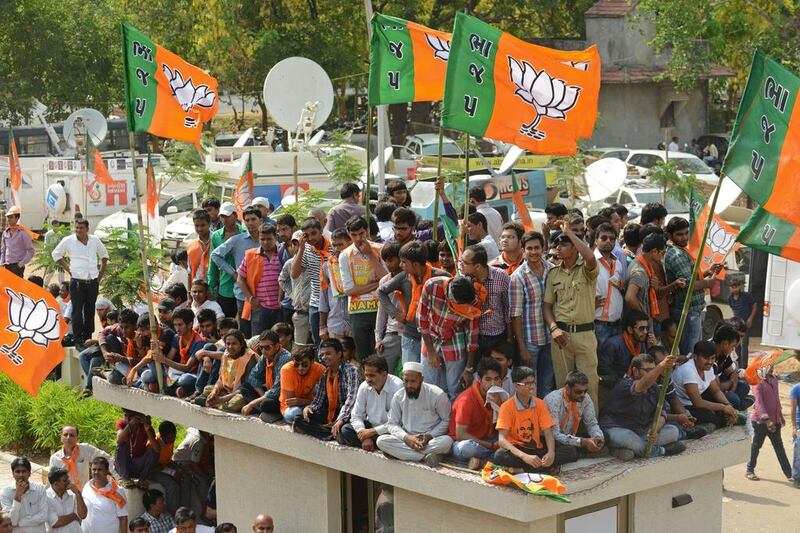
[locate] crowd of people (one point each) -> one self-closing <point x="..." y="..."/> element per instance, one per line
<point x="530" y="349"/>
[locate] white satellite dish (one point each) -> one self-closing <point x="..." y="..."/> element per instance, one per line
<point x="82" y="122"/>
<point x="290" y="85"/>
<point x="603" y="178"/>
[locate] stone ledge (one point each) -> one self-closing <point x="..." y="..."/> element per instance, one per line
<point x="588" y="481"/>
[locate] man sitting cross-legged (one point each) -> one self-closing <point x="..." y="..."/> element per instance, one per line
<point x="299" y="378"/>
<point x="418" y="420"/>
<point x="373" y="401"/>
<point x="627" y="415"/>
<point x="521" y="423"/>
<point x="571" y="405"/>
<point x="263" y="386"/>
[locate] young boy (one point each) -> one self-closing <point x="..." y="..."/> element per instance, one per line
<point x="285" y="334"/>
<point x="767" y="421"/>
<point x="743" y="306"/>
<point x="334" y="321"/>
<point x="446" y="258"/>
<point x="387" y="329"/>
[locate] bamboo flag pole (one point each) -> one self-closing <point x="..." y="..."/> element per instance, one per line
<point x="466" y="186"/>
<point x="436" y="195"/>
<point x="686" y="301"/>
<point x="369" y="165"/>
<point x="145" y="268"/>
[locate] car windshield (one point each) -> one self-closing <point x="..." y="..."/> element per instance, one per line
<point x="672" y="205"/>
<point x="691" y="165"/>
<point x="448" y="148"/>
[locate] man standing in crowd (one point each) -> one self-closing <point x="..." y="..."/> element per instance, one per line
<point x="526" y="308"/>
<point x="25" y="500"/>
<point x="213" y="208"/>
<point x="16" y="246"/>
<point x="373" y="402"/>
<point x="229" y="255"/>
<point x="350" y="207"/>
<point x="404" y="221"/>
<point x="65" y="505"/>
<point x="75" y="456"/>
<point x="106" y="502"/>
<point x="257" y="278"/>
<point x="610" y="284"/>
<point x="199" y="250"/>
<point x="419" y="419"/>
<point x="494" y="220"/>
<point x="334" y="317"/>
<point x="569" y="300"/>
<point x="361" y="267"/>
<point x="313" y="249"/>
<point x="298" y="292"/>
<point x="78" y="254"/>
<point x="616" y="353"/>
<point x="220" y="282"/>
<point x="476" y="230"/>
<point x="511" y="253"/>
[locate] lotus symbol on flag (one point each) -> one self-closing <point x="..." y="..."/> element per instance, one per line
<point x="186" y="93"/>
<point x="719" y="240"/>
<point x="441" y="47"/>
<point x="551" y="97"/>
<point x="29" y="320"/>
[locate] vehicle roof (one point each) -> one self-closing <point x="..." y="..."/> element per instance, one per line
<point x="671" y="155"/>
<point x="428" y="138"/>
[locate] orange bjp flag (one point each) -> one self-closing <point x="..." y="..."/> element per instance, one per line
<point x="152" y="189"/>
<point x="721" y="239"/>
<point x="13" y="164"/>
<point x="31" y="329"/>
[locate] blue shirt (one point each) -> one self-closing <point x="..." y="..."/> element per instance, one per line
<point x="258" y="377"/>
<point x="626" y="408"/>
<point x="742" y="306"/>
<point x="235" y="247"/>
<point x="794" y="394"/>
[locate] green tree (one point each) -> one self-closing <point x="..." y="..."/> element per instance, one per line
<point x="123" y="283"/>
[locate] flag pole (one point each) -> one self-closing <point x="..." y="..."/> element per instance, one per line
<point x="436" y="194"/>
<point x="665" y="380"/>
<point x="369" y="165"/>
<point x="466" y="186"/>
<point x="154" y="346"/>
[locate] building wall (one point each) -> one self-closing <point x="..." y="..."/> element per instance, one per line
<point x="621" y="41"/>
<point x="653" y="512"/>
<point x="630" y="114"/>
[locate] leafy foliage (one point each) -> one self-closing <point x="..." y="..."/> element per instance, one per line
<point x="186" y="166"/>
<point x="123" y="280"/>
<point x="44" y="253"/>
<point x="672" y="182"/>
<point x="299" y="210"/>
<point x="342" y="166"/>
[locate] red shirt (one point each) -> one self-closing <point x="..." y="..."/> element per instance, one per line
<point x="470" y="410"/>
<point x="137" y="440"/>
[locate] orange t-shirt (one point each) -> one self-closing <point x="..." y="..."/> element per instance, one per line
<point x="524" y="425"/>
<point x="302" y="386"/>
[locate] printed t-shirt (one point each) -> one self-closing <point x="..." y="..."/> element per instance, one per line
<point x="524" y="424"/>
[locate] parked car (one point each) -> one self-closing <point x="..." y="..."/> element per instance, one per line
<point x="635" y="195"/>
<point x="644" y="160"/>
<point x="428" y="144"/>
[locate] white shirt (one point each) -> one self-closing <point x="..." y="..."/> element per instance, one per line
<point x="62" y="506"/>
<point x="199" y="528"/>
<point x="429" y="413"/>
<point x="30" y="514"/>
<point x="386" y="230"/>
<point x="673" y="147"/>
<point x="190" y="450"/>
<point x="208" y="304"/>
<point x="494" y="220"/>
<point x="177" y="274"/>
<point x="83" y="258"/>
<point x="611" y="310"/>
<point x="102" y="515"/>
<point x="86" y="453"/>
<point x="490" y="245"/>
<point x="373" y="407"/>
<point x="687" y="373"/>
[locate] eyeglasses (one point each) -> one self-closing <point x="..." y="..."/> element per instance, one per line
<point x="641" y="328"/>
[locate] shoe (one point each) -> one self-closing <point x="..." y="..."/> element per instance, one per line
<point x="797" y="483"/>
<point x="200" y="400"/>
<point x="708" y="426"/>
<point x="674" y="448"/>
<point x="623" y="454"/>
<point x="475" y="463"/>
<point x="269" y="418"/>
<point x="696" y="432"/>
<point x="752" y="476"/>
<point x="431" y="459"/>
<point x="741" y="419"/>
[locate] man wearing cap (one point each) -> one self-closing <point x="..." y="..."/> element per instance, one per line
<point x="219" y="281"/>
<point x="349" y="207"/>
<point x="298" y="291"/>
<point x="16" y="247"/>
<point x="83" y="251"/>
<point x="569" y="306"/>
<point x="419" y="420"/>
<point x="265" y="207"/>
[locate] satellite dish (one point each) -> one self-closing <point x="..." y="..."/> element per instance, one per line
<point x="603" y="178"/>
<point x="82" y="122"/>
<point x="291" y="84"/>
<point x="728" y="193"/>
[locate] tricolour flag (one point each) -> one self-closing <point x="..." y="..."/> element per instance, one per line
<point x="764" y="154"/>
<point x="407" y="61"/>
<point x="243" y="193"/>
<point x="31" y="329"/>
<point x="501" y="87"/>
<point x="769" y="233"/>
<point x="165" y="95"/>
<point x="96" y="165"/>
<point x="721" y="239"/>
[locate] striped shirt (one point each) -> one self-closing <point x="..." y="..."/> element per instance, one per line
<point x="526" y="300"/>
<point x="311" y="262"/>
<point x="267" y="288"/>
<point x="494" y="322"/>
<point x="679" y="264"/>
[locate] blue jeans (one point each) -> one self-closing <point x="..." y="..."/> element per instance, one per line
<point x="291" y="413"/>
<point x="446" y="377"/>
<point x="411" y="349"/>
<point x="604" y="332"/>
<point x="204" y="378"/>
<point x="625" y="438"/>
<point x="796" y="458"/>
<point x="692" y="329"/>
<point x="467" y="449"/>
<point x="90" y="358"/>
<point x="542" y="364"/>
<point x="313" y="320"/>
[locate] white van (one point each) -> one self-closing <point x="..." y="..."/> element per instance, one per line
<point x="782" y="304"/>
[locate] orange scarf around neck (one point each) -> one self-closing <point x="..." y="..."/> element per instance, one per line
<point x="488" y="413"/>
<point x="334" y="274"/>
<point x="572" y="409"/>
<point x="630" y="344"/>
<point x="110" y="492"/>
<point x="332" y="391"/>
<point x="512" y="265"/>
<point x="655" y="310"/>
<point x="416" y="292"/>
<point x="72" y="467"/>
<point x="469" y="311"/>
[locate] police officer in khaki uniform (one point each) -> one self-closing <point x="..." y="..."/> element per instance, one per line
<point x="569" y="306"/>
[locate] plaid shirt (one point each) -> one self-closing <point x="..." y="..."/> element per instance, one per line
<point x="349" y="380"/>
<point x="526" y="300"/>
<point x="452" y="334"/>
<point x="494" y="322"/>
<point x="163" y="524"/>
<point x="678" y="264"/>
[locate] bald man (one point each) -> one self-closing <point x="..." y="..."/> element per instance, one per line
<point x="263" y="524"/>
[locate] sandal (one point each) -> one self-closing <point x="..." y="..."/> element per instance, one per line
<point x="752" y="476"/>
